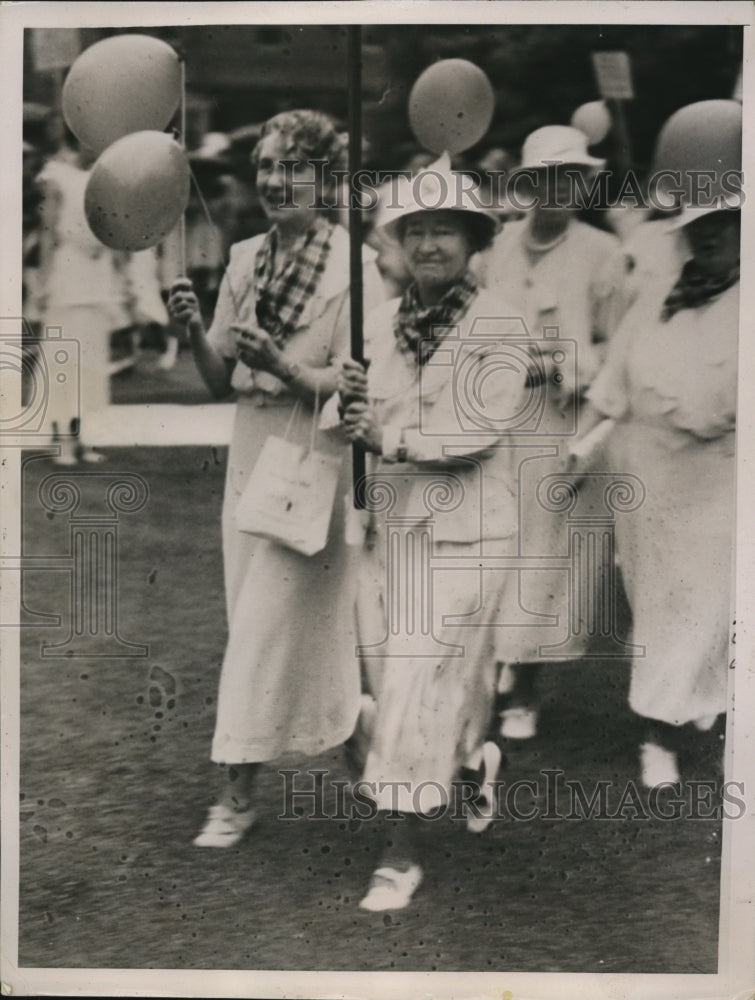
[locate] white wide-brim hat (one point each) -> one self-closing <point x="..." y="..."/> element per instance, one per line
<point x="723" y="202"/>
<point x="704" y="138"/>
<point x="436" y="188"/>
<point x="557" y="146"/>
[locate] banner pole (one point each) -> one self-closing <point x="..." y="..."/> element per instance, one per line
<point x="354" y="61"/>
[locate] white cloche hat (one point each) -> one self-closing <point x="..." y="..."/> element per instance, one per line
<point x="557" y="145"/>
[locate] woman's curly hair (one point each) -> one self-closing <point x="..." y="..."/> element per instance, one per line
<point x="314" y="137"/>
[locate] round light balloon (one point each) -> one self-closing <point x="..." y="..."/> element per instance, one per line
<point x="594" y="119"/>
<point x="701" y="137"/>
<point x="123" y="84"/>
<point x="451" y="106"/>
<point x="137" y="191"/>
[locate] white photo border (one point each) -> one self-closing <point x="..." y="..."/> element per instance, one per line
<point x="736" y="977"/>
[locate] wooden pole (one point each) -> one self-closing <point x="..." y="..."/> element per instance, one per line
<point x="355" y="234"/>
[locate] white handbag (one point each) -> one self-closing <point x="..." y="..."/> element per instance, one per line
<point x="290" y="493"/>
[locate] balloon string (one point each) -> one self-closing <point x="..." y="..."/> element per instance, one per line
<point x="218" y="243"/>
<point x="182" y="221"/>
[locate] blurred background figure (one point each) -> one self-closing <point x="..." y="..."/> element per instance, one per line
<point x="563" y="276"/>
<point x="492" y="168"/>
<point x="652" y="247"/>
<point x="31" y="193"/>
<point x="670" y="383"/>
<point x="35" y="146"/>
<point x="246" y="215"/>
<point x="209" y="228"/>
<point x="80" y="289"/>
<point x="149" y="323"/>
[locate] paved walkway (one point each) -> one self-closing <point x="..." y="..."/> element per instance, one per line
<point x="163" y="424"/>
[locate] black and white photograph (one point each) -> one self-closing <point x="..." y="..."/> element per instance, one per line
<point x="376" y="451"/>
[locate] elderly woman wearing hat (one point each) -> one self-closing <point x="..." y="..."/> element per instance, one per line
<point x="565" y="278"/>
<point x="670" y="384"/>
<point x="289" y="680"/>
<point x="433" y="413"/>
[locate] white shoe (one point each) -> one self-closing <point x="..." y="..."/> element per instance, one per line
<point x="486" y="804"/>
<point x="168" y="358"/>
<point x="474" y="760"/>
<point x="705" y="724"/>
<point x="519" y="723"/>
<point x="121" y="365"/>
<point x="225" y="827"/>
<point x="659" y="766"/>
<point x="506" y="679"/>
<point x="367" y="714"/>
<point x="90" y="456"/>
<point x="391" y="889"/>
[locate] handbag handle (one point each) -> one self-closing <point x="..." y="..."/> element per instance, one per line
<point x="292" y="419"/>
<point x="315" y="420"/>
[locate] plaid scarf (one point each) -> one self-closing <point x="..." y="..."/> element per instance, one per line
<point x="694" y="288"/>
<point x="415" y="323"/>
<point x="281" y="298"/>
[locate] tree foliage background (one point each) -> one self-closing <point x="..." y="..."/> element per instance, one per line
<point x="241" y="74"/>
<point x="542" y="73"/>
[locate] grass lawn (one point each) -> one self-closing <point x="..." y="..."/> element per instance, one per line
<point x="147" y="383"/>
<point x="116" y="779"/>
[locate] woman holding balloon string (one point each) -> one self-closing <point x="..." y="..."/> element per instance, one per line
<point x="289" y="679"/>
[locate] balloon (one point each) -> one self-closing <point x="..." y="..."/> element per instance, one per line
<point x="594" y="119"/>
<point x="137" y="191"/>
<point x="123" y="84"/>
<point x="702" y="136"/>
<point x="451" y="106"/>
<point x="705" y="136"/>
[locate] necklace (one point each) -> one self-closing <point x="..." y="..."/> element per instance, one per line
<point x="536" y="247"/>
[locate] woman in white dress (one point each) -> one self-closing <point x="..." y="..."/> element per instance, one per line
<point x="83" y="291"/>
<point x="289" y="679"/>
<point x="450" y="483"/>
<point x="565" y="279"/>
<point x="670" y="383"/>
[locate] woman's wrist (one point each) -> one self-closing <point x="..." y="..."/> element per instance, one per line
<point x="195" y="327"/>
<point x="288" y="371"/>
<point x="393" y="443"/>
